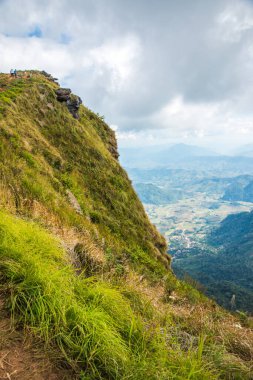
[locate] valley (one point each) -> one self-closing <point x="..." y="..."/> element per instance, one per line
<point x="186" y="222"/>
<point x="190" y="207"/>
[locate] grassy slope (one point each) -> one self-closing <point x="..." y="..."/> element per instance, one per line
<point x="44" y="152"/>
<point x="105" y="326"/>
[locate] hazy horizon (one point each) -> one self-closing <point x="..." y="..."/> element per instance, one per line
<point x="219" y="150"/>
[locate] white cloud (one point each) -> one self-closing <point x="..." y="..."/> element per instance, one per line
<point x="234" y="21"/>
<point x="127" y="136"/>
<point x="35" y="53"/>
<point x="157" y="70"/>
<point x="118" y="57"/>
<point x="202" y="121"/>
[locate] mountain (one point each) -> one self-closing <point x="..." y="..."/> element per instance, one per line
<point x="161" y="155"/>
<point x="151" y="194"/>
<point x="239" y="190"/>
<point x="180" y="151"/>
<point x="185" y="157"/>
<point x="245" y="150"/>
<point x="224" y="265"/>
<point x="248" y="192"/>
<point x="86" y="289"/>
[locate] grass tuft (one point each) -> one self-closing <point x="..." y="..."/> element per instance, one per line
<point x="91" y="322"/>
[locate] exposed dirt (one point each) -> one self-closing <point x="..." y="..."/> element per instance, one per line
<point x="22" y="358"/>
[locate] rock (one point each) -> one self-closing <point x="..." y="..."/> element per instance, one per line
<point x="49" y="76"/>
<point x="73" y="104"/>
<point x="114" y="151"/>
<point x="63" y="94"/>
<point x="113" y="146"/>
<point x="74" y="202"/>
<point x="50" y="106"/>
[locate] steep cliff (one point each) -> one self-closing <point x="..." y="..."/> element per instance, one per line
<point x="83" y="272"/>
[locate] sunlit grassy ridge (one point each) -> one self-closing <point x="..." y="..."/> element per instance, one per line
<point x="44" y="151"/>
<point x="93" y="281"/>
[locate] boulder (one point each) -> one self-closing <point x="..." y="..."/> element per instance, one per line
<point x="63" y="94"/>
<point x="73" y="104"/>
<point x="49" y="76"/>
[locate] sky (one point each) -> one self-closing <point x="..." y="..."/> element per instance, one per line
<point x="159" y="71"/>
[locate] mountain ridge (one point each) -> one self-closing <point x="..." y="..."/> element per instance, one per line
<point x="82" y="268"/>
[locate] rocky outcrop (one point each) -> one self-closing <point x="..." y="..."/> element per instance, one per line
<point x="73" y="104"/>
<point x="113" y="146"/>
<point x="63" y="94"/>
<point x="72" y="101"/>
<point x="49" y="77"/>
<point x="74" y="202"/>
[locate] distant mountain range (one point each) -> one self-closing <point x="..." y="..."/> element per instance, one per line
<point x="184" y="151"/>
<point x="240" y="190"/>
<point x="161" y="156"/>
<point x="151" y="194"/>
<point x="245" y="150"/>
<point x="187" y="157"/>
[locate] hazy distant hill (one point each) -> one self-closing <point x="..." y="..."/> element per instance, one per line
<point x="185" y="157"/>
<point x="152" y="194"/>
<point x="183" y="151"/>
<point x="160" y="155"/>
<point x="241" y="190"/>
<point x="245" y="150"/>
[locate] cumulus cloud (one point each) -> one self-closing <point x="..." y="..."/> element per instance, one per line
<point x="35" y="53"/>
<point x="116" y="59"/>
<point x="174" y="69"/>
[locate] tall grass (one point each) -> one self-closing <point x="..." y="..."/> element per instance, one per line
<point x="91" y="323"/>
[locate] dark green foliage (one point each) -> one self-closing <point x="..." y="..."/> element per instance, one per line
<point x="239" y="191"/>
<point x="225" y="266"/>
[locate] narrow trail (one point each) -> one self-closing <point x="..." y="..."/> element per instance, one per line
<point x="23" y="358"/>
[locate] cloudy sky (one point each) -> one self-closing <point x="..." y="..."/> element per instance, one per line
<point x="158" y="70"/>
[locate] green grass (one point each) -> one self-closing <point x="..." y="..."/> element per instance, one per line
<point x="91" y="322"/>
<point x="45" y="152"/>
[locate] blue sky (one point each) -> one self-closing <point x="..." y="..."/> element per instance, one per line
<point x="35" y="32"/>
<point x="160" y="71"/>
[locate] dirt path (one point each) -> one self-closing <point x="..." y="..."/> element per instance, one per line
<point x="21" y="358"/>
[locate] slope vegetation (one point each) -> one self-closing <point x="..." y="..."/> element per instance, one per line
<point x="82" y="270"/>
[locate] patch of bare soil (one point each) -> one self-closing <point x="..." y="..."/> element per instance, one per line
<point x="22" y="358"/>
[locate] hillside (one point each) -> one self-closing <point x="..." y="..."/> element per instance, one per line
<point x="180" y="151"/>
<point x="152" y="194"/>
<point x="85" y="280"/>
<point x="162" y="155"/>
<point x="185" y="157"/>
<point x="245" y="150"/>
<point x="225" y="264"/>
<point x="239" y="191"/>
